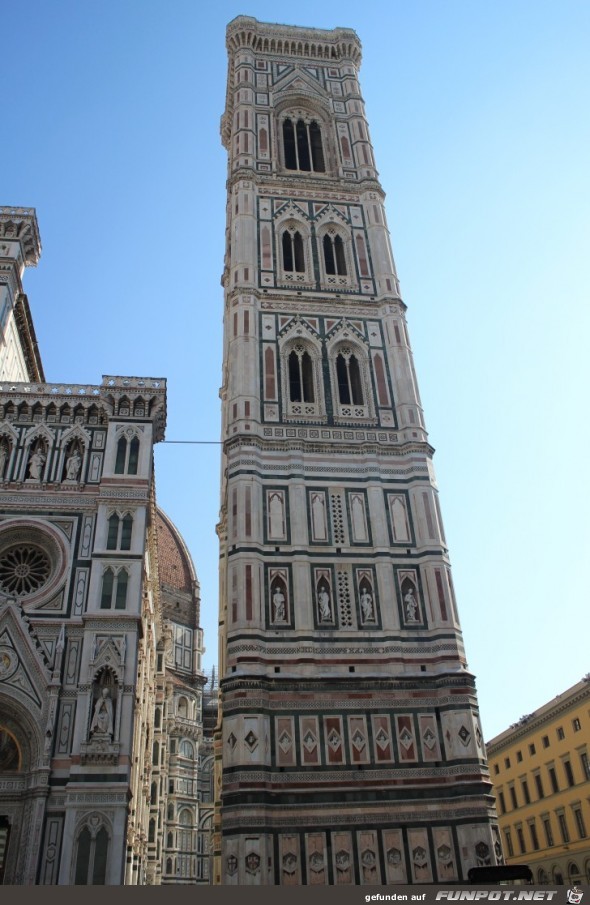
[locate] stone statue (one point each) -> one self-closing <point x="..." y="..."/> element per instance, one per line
<point x="324" y="605"/>
<point x="102" y="720"/>
<point x="36" y="463"/>
<point x="367" y="606"/>
<point x="411" y="606"/>
<point x="278" y="603"/>
<point x="73" y="465"/>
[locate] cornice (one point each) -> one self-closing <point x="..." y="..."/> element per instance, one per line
<point x="323" y="45"/>
<point x="371" y="684"/>
<point x="20" y="224"/>
<point x="308" y="185"/>
<point x="28" y="338"/>
<point x="315" y="446"/>
<point x="546" y="714"/>
<point x="109" y="395"/>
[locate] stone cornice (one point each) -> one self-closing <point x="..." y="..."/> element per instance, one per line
<point x="372" y="684"/>
<point x="297" y="444"/>
<point x="110" y="395"/>
<point x="20" y="224"/>
<point x="310" y="187"/>
<point x="546" y="714"/>
<point x="297" y="41"/>
<point x="28" y="338"/>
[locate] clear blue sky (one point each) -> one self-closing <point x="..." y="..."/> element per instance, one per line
<point x="479" y="115"/>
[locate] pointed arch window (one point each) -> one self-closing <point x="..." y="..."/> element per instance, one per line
<point x="119" y="532"/>
<point x="300" y="376"/>
<point x="127" y="457"/>
<point x="302" y="144"/>
<point x="349" y="369"/>
<point x="293" y="256"/>
<point x="350" y="390"/>
<point x="334" y="257"/>
<point x="91" y="857"/>
<point x="114" y="589"/>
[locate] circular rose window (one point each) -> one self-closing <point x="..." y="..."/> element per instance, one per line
<point x="24" y="569"/>
<point x="33" y="561"/>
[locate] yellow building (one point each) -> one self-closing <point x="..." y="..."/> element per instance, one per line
<point x="541" y="772"/>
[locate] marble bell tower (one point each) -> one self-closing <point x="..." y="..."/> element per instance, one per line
<point x="350" y="749"/>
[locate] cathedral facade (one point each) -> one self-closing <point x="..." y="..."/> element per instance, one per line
<point x="350" y="749"/>
<point x="101" y="684"/>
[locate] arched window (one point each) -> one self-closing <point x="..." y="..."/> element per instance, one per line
<point x="302" y="143"/>
<point x="350" y="391"/>
<point x="114" y="589"/>
<point x="119" y="532"/>
<point x="300" y="376"/>
<point x="127" y="457"/>
<point x="186" y="749"/>
<point x="183" y="708"/>
<point x="152" y="831"/>
<point x="185" y="834"/>
<point x="91" y="857"/>
<point x="301" y="379"/>
<point x="334" y="258"/>
<point x="293" y="257"/>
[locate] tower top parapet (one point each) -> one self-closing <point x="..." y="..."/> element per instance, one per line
<point x="20" y="224"/>
<point x="293" y="40"/>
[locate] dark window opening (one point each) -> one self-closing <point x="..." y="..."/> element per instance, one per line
<point x="302" y="145"/>
<point x="300" y="377"/>
<point x="349" y="380"/>
<point x="334" y="259"/>
<point x="293" y="257"/>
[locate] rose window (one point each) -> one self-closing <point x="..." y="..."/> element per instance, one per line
<point x="23" y="569"/>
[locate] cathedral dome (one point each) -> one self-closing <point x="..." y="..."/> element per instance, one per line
<point x="175" y="565"/>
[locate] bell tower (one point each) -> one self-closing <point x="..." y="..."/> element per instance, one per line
<point x="350" y="749"/>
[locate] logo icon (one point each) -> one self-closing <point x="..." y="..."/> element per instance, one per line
<point x="574" y="895"/>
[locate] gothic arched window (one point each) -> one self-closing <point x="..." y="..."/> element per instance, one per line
<point x="302" y="144"/>
<point x="300" y="376"/>
<point x="350" y="390"/>
<point x="119" y="533"/>
<point x="293" y="257"/>
<point x="334" y="258"/>
<point x="91" y="857"/>
<point x="127" y="457"/>
<point x="114" y="589"/>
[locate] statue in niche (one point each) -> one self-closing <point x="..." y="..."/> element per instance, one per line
<point x="367" y="606"/>
<point x="324" y="604"/>
<point x="102" y="719"/>
<point x="36" y="463"/>
<point x="3" y="458"/>
<point x="73" y="465"/>
<point x="411" y="605"/>
<point x="278" y="605"/>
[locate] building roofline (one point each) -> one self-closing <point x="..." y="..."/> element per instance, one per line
<point x="28" y="339"/>
<point x="533" y="721"/>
